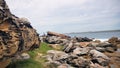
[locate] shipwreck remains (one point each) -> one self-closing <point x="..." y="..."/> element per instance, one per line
<point x="16" y="35"/>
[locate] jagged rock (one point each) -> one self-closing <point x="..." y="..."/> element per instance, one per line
<point x="80" y="62"/>
<point x="68" y="47"/>
<point x="101" y="49"/>
<point x="52" y="64"/>
<point x="52" y="40"/>
<point x="105" y="44"/>
<point x="81" y="51"/>
<point x="92" y="65"/>
<point x="85" y="54"/>
<point x="54" y="55"/>
<point x="114" y="40"/>
<point x="110" y="49"/>
<point x="80" y="39"/>
<point x="16" y="34"/>
<point x="63" y="41"/>
<point x="98" y="57"/>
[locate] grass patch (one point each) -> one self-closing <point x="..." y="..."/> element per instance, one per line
<point x="30" y="63"/>
<point x="33" y="62"/>
<point x="44" y="48"/>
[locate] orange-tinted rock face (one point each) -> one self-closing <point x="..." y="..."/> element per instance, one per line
<point x="16" y="35"/>
<point x="84" y="44"/>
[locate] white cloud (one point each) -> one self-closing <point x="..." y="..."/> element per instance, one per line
<point x="48" y="13"/>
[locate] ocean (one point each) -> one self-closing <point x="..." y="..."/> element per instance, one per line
<point x="102" y="35"/>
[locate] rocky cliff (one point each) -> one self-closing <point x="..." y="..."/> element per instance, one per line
<point x="16" y="35"/>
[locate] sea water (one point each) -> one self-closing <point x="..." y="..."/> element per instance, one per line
<point x="102" y="35"/>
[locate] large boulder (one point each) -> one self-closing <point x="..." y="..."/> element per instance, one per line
<point x="53" y="55"/>
<point x="63" y="36"/>
<point x="103" y="46"/>
<point x="79" y="62"/>
<point x="115" y="41"/>
<point x="81" y="51"/>
<point x="16" y="34"/>
<point x="80" y="39"/>
<point x="98" y="57"/>
<point x="68" y="47"/>
<point x="52" y="40"/>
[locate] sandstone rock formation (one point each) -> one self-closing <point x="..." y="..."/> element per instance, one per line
<point x="16" y="35"/>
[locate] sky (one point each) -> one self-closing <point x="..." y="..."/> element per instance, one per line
<point x="65" y="16"/>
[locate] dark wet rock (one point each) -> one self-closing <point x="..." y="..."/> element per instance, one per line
<point x="80" y="39"/>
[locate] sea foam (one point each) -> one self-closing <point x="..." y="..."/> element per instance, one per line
<point x="102" y="40"/>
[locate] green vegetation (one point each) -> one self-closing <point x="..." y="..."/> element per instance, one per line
<point x="36" y="61"/>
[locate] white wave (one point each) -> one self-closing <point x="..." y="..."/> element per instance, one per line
<point x="102" y="40"/>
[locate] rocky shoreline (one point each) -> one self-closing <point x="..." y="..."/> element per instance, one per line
<point x="80" y="52"/>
